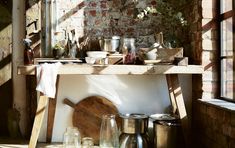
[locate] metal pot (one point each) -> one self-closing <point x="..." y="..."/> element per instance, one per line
<point x="134" y="131"/>
<point x="134" y="140"/>
<point x="134" y="123"/>
<point x="167" y="131"/>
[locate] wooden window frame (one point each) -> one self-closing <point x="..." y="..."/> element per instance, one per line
<point x="220" y="18"/>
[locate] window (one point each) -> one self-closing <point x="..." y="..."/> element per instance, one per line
<point x="227" y="47"/>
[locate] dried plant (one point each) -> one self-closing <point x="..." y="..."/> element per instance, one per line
<point x="166" y="18"/>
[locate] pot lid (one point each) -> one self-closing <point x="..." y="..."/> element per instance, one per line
<point x="162" y="117"/>
<point x="116" y="37"/>
<point x="134" y="116"/>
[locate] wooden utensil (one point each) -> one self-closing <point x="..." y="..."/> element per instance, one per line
<point x="87" y="115"/>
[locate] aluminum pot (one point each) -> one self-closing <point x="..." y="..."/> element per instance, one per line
<point x="134" y="123"/>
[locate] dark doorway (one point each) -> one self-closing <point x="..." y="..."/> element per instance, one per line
<point x="6" y="96"/>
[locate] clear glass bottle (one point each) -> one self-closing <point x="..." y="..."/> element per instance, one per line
<point x="129" y="51"/>
<point x="73" y="50"/>
<point x="109" y="137"/>
<point x="77" y="137"/>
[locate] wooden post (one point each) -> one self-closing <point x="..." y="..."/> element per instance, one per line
<point x="177" y="102"/>
<point x="41" y="109"/>
<point x="51" y="113"/>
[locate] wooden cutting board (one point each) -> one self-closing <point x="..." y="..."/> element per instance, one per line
<point x="87" y="115"/>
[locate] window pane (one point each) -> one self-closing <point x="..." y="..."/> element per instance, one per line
<point x="225" y="5"/>
<point x="226" y="37"/>
<point x="227" y="79"/>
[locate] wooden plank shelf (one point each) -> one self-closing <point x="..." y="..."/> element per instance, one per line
<point x="86" y="69"/>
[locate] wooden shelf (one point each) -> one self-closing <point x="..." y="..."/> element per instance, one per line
<point x="85" y="69"/>
<point x="171" y="72"/>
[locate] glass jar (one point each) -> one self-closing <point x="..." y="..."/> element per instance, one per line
<point x="72" y="138"/>
<point x="129" y="51"/>
<point x="87" y="142"/>
<point x="115" y="43"/>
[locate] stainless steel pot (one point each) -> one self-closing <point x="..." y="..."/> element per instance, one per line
<point x="167" y="132"/>
<point x="134" y="140"/>
<point x="134" y="123"/>
<point x="134" y="131"/>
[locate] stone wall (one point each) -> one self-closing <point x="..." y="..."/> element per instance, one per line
<point x="107" y="18"/>
<point x="101" y="18"/>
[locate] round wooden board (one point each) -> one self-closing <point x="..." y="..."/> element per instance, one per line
<point x="88" y="113"/>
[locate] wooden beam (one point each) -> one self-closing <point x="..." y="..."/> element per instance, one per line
<point x="177" y="100"/>
<point x="41" y="109"/>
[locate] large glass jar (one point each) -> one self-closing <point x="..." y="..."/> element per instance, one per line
<point x="129" y="51"/>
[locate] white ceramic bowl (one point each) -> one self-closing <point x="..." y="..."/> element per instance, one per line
<point x="151" y="55"/>
<point x="97" y="54"/>
<point x="90" y="60"/>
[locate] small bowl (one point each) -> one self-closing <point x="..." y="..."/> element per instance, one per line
<point x="90" y="60"/>
<point x="151" y="55"/>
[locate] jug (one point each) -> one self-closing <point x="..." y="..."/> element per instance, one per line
<point x="109" y="132"/>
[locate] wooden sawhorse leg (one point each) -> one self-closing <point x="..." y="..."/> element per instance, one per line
<point x="178" y="105"/>
<point x="41" y="109"/>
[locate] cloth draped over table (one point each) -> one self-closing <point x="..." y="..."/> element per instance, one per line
<point x="46" y="78"/>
